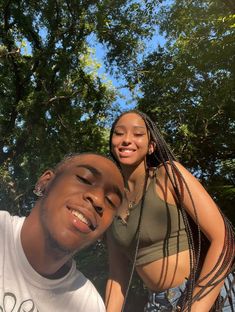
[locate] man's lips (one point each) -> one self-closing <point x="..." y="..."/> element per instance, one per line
<point x="84" y="216"/>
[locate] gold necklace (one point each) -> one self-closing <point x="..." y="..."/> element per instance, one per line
<point x="132" y="200"/>
<point x="130" y="205"/>
<point x="124" y="218"/>
<point x="138" y="193"/>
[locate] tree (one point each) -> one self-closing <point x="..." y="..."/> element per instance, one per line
<point x="52" y="99"/>
<point x="188" y="87"/>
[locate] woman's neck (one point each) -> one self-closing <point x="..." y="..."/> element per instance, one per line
<point x="134" y="175"/>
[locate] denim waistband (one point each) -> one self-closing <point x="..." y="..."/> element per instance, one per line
<point x="167" y="300"/>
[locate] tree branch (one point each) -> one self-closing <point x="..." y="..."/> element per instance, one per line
<point x="230" y="4"/>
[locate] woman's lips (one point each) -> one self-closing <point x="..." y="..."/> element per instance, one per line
<point x="126" y="151"/>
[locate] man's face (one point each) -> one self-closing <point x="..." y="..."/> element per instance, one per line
<point x="80" y="202"/>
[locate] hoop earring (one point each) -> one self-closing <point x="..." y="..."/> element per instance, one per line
<point x="38" y="192"/>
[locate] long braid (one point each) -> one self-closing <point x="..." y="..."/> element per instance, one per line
<point x="227" y="253"/>
<point x="163" y="155"/>
<point x="137" y="235"/>
<point x="167" y="156"/>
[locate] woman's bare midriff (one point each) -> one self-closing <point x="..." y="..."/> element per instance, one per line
<point x="165" y="273"/>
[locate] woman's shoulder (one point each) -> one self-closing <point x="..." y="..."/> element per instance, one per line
<point x="169" y="168"/>
<point x="165" y="168"/>
<point x="173" y="172"/>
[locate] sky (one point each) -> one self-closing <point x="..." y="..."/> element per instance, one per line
<point x="125" y="100"/>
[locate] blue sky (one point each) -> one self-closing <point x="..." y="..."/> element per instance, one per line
<point x="125" y="99"/>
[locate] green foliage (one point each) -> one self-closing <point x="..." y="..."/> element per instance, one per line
<point x="120" y="24"/>
<point x="52" y="99"/>
<point x="93" y="262"/>
<point x="188" y="88"/>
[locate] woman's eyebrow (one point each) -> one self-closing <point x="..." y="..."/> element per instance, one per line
<point x="135" y="127"/>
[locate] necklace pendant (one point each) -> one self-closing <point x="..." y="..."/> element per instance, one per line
<point x="124" y="219"/>
<point x="131" y="204"/>
<point x="124" y="222"/>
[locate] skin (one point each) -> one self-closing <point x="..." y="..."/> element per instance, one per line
<point x="51" y="234"/>
<point x="130" y="145"/>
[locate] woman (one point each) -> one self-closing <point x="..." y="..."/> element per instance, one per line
<point x="165" y="228"/>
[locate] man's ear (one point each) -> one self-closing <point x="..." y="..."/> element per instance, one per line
<point x="43" y="181"/>
<point x="152" y="146"/>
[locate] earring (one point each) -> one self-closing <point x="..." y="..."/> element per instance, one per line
<point x="38" y="192"/>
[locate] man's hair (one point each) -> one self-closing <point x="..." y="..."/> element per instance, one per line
<point x="69" y="157"/>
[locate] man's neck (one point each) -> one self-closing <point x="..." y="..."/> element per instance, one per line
<point x="46" y="260"/>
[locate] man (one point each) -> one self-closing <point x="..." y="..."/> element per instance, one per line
<point x="77" y="203"/>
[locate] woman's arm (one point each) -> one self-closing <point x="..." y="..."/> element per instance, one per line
<point x="118" y="277"/>
<point x="211" y="223"/>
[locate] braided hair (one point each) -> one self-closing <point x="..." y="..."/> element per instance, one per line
<point x="198" y="243"/>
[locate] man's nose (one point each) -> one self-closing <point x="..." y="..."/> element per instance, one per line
<point x="96" y="199"/>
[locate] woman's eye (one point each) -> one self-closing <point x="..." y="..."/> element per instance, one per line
<point x="83" y="180"/>
<point x="139" y="134"/>
<point x="118" y="133"/>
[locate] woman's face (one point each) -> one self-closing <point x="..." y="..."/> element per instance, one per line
<point x="130" y="140"/>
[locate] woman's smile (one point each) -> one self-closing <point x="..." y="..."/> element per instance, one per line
<point x="125" y="151"/>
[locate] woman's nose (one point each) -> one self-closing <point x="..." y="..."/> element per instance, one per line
<point x="127" y="138"/>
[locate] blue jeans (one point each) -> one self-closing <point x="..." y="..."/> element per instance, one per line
<point x="227" y="307"/>
<point x="166" y="301"/>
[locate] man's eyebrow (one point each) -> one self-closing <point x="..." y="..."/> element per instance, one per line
<point x="97" y="173"/>
<point x="92" y="169"/>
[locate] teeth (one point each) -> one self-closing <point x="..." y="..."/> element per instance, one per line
<point x="80" y="216"/>
<point x="126" y="150"/>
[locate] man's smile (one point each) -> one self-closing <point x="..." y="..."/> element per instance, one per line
<point x="84" y="218"/>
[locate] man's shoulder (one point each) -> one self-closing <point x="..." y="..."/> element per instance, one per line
<point x="4" y="212"/>
<point x="6" y="218"/>
<point x="91" y="297"/>
<point x="6" y="215"/>
<point x="81" y="281"/>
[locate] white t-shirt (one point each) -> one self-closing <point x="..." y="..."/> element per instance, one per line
<point x="22" y="289"/>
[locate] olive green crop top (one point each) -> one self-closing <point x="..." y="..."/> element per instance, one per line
<point x="162" y="229"/>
